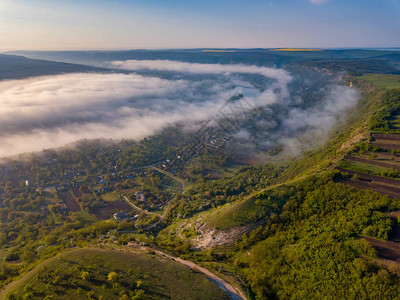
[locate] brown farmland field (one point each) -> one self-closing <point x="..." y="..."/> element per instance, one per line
<point x="394" y="165"/>
<point x="106" y="212"/>
<point x="70" y="201"/>
<point x="381" y="185"/>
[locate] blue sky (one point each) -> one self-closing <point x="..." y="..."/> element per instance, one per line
<point x="130" y="24"/>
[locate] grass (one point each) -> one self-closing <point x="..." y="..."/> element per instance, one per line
<point x="248" y="210"/>
<point x="136" y="273"/>
<point x="382" y="80"/>
<point x="85" y="217"/>
<point x="110" y="197"/>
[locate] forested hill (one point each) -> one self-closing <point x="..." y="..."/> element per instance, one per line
<point x="327" y="224"/>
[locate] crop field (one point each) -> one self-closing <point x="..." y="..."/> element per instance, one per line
<point x="106" y="212"/>
<point x="385" y="163"/>
<point x="371" y="166"/>
<point x="381" y="185"/>
<point x="85" y="274"/>
<point x="388" y="145"/>
<point x="383" y="81"/>
<point x="77" y="193"/>
<point x="387" y="137"/>
<point x="70" y="201"/>
<point x="386" y="249"/>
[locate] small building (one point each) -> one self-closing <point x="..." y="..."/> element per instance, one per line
<point x="140" y="196"/>
<point x="120" y="216"/>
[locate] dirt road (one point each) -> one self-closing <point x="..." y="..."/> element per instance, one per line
<point x="233" y="292"/>
<point x="171" y="176"/>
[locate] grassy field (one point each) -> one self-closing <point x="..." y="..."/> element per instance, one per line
<point x="111" y="196"/>
<point x="383" y="81"/>
<point x="248" y="210"/>
<point x="85" y="274"/>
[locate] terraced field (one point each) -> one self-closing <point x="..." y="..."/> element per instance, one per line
<point x="370" y="171"/>
<point x="375" y="171"/>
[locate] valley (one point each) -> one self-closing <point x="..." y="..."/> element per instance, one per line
<point x="266" y="201"/>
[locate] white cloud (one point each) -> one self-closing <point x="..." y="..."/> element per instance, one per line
<point x="176" y="66"/>
<point x="52" y="111"/>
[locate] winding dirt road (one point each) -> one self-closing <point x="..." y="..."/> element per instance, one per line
<point x="171" y="176"/>
<point x="233" y="292"/>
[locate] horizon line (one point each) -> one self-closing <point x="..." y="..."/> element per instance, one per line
<point x="299" y="49"/>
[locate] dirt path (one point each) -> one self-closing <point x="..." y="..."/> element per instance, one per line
<point x="139" y="209"/>
<point x="181" y="181"/>
<point x="233" y="292"/>
<point x="161" y="217"/>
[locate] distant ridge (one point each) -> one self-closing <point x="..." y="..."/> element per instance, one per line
<point x="17" y="67"/>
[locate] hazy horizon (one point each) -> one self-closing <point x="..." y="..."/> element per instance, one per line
<point x="103" y="25"/>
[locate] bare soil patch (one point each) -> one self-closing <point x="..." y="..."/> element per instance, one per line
<point x="70" y="201"/>
<point x="386" y="136"/>
<point x="106" y="212"/>
<point x="381" y="185"/>
<point x="386" y="249"/>
<point x="388" y="145"/>
<point x="77" y="193"/>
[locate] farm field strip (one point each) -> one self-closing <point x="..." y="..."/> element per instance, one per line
<point x="70" y="201"/>
<point x="376" y="162"/>
<point x="381" y="185"/>
<point x="375" y="179"/>
<point x="105" y="213"/>
<point x="382" y="156"/>
<point x="386" y="136"/>
<point x="386" y="249"/>
<point x="386" y="142"/>
<point x="395" y="193"/>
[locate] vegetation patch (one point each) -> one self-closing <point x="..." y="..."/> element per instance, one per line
<point x="386" y="81"/>
<point x="112" y="274"/>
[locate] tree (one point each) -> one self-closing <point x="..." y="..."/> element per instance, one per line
<point x="85" y="275"/>
<point x="139" y="283"/>
<point x="112" y="276"/>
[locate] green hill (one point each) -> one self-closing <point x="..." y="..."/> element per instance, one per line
<point x="92" y="273"/>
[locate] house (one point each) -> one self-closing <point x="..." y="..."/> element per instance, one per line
<point x="140" y="196"/>
<point x="120" y="216"/>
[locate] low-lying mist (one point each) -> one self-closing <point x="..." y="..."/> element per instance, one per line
<point x="52" y="111"/>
